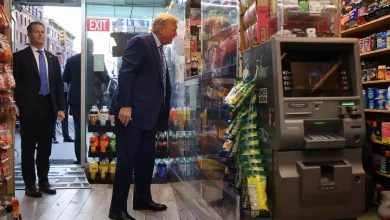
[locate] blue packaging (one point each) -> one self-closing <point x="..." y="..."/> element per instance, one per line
<point x="380" y="104"/>
<point x="380" y="94"/>
<point x="353" y="15"/>
<point x="381" y="40"/>
<point x="370" y="104"/>
<point x="370" y="93"/>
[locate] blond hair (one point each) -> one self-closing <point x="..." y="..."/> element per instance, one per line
<point x="161" y="20"/>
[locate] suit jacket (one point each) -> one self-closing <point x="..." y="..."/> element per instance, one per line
<point x="28" y="83"/>
<point x="140" y="84"/>
<point x="95" y="80"/>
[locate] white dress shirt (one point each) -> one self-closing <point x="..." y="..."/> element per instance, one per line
<point x="36" y="55"/>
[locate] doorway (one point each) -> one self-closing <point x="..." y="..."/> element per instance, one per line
<point x="63" y="39"/>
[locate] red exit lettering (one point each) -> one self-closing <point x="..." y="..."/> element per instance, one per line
<point x="98" y="24"/>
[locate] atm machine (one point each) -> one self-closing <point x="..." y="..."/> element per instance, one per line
<point x="311" y="120"/>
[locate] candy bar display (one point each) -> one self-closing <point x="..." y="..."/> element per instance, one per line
<point x="356" y="13"/>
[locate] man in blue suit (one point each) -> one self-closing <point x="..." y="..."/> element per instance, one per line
<point x="142" y="107"/>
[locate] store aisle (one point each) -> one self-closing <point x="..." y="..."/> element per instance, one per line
<point x="93" y="204"/>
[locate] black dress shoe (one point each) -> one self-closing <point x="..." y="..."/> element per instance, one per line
<point x="32" y="191"/>
<point x="54" y="141"/>
<point x="47" y="188"/>
<point x="68" y="139"/>
<point x="120" y="216"/>
<point x="151" y="206"/>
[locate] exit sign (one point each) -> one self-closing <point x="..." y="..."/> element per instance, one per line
<point x="98" y="24"/>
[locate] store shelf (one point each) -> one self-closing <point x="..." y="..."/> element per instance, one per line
<point x="375" y="82"/>
<point x="377" y="111"/>
<point x="111" y="154"/>
<point x="4" y="160"/>
<point x="382" y="174"/>
<point x="375" y="53"/>
<point x="6" y="147"/>
<point x="206" y="7"/>
<point x="224" y="71"/>
<point x="96" y="128"/>
<point x="380" y="142"/>
<point x="367" y="28"/>
<point x="191" y="78"/>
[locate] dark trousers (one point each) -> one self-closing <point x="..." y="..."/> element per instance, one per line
<point x="135" y="152"/>
<point x="36" y="134"/>
<point x="64" y="123"/>
<point x="76" y="110"/>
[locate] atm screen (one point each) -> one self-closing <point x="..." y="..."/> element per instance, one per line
<point x="316" y="78"/>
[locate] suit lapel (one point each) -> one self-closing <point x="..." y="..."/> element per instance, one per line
<point x="32" y="60"/>
<point x="156" y="54"/>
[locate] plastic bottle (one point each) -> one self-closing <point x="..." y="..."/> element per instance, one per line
<point x="104" y="168"/>
<point x="104" y="116"/>
<point x="104" y="141"/>
<point x="155" y="169"/>
<point x="182" y="165"/>
<point x="93" y="168"/>
<point x="187" y="116"/>
<point x="7" y="205"/>
<point x="15" y="205"/>
<point x="174" y="165"/>
<point x="174" y="116"/>
<point x="113" y="143"/>
<point x="94" y="142"/>
<point x="93" y="115"/>
<point x="162" y="168"/>
<point x="112" y="168"/>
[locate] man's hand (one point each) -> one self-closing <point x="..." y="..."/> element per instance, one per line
<point x="61" y="115"/>
<point x="125" y="115"/>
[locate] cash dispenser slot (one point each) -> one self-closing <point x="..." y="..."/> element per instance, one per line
<point x="322" y="181"/>
<point x="327" y="134"/>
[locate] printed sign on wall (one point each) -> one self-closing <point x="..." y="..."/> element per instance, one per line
<point x="98" y="24"/>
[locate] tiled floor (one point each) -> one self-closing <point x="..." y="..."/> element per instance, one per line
<point x="93" y="204"/>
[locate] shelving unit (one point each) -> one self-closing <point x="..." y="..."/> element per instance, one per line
<point x="371" y="60"/>
<point x="361" y="30"/>
<point x="9" y="118"/>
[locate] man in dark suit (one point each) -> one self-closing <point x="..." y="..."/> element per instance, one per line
<point x="72" y="75"/>
<point x="142" y="108"/>
<point x="39" y="94"/>
<point x="65" y="122"/>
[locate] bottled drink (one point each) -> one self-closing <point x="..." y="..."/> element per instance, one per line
<point x="162" y="168"/>
<point x="94" y="142"/>
<point x="7" y="205"/>
<point x="104" y="116"/>
<point x="93" y="115"/>
<point x="103" y="168"/>
<point x="93" y="168"/>
<point x="194" y="66"/>
<point x="15" y="205"/>
<point x="112" y="168"/>
<point x="104" y="141"/>
<point x="113" y="142"/>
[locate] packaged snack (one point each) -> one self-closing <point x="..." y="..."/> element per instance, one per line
<point x="257" y="194"/>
